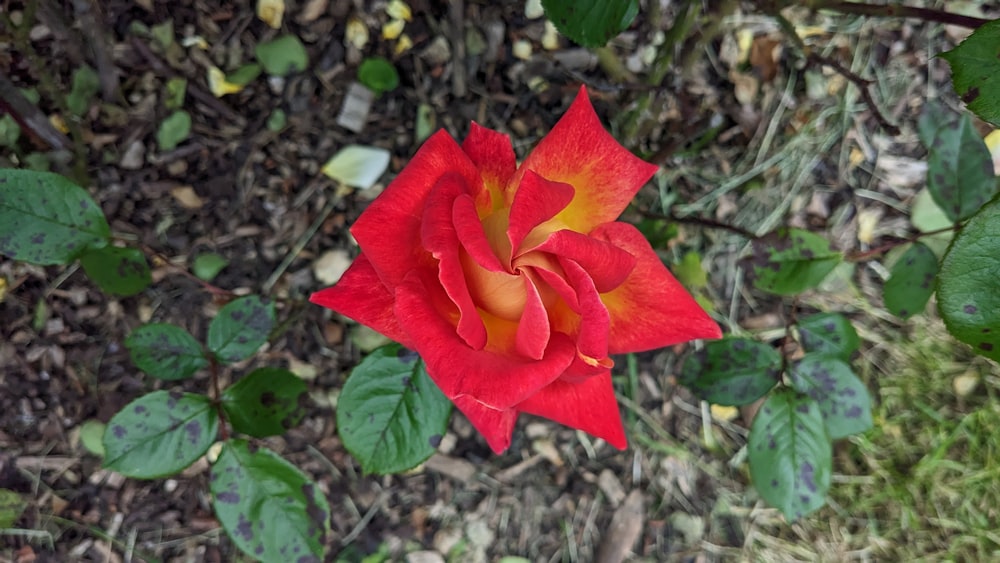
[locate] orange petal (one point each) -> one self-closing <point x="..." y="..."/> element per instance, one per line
<point x="579" y="152"/>
<point x="650" y="309"/>
<point x="493" y="155"/>
<point x="498" y="379"/>
<point x="589" y="406"/>
<point x="361" y="296"/>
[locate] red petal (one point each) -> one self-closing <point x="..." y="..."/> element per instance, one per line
<point x="361" y="296"/>
<point x="579" y="152"/>
<point x="473" y="236"/>
<point x="389" y="230"/>
<point x="496" y="425"/>
<point x="498" y="378"/>
<point x="589" y="406"/>
<point x="537" y="200"/>
<point x="650" y="309"/>
<point x="606" y="264"/>
<point x="493" y="155"/>
<point x="592" y="335"/>
<point x="533" y="330"/>
<point x="438" y="235"/>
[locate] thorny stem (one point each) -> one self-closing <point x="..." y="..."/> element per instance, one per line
<point x="217" y="391"/>
<point x="702" y="221"/>
<point x="213" y="289"/>
<point x="897" y="11"/>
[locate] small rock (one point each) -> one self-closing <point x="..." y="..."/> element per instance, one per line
<point x="134" y="157"/>
<point x="612" y="488"/>
<point x="331" y="265"/>
<point x="438" y="52"/>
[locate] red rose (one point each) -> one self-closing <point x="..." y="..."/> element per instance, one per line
<point x="515" y="283"/>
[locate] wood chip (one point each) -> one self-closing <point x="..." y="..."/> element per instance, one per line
<point x="626" y="527"/>
<point x="457" y="469"/>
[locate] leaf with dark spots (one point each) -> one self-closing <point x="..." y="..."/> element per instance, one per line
<point x="266" y="402"/>
<point x="828" y="334"/>
<point x="46" y="219"/>
<point x="788" y="449"/>
<point x="158" y="442"/>
<point x="968" y="292"/>
<point x="165" y="351"/>
<point x="731" y="371"/>
<point x="280" y="514"/>
<point x="842" y="398"/>
<point x="388" y="410"/>
<point x="789" y="261"/>
<point x="975" y="71"/>
<point x="240" y="328"/>
<point x="434" y="441"/>
<point x="119" y="271"/>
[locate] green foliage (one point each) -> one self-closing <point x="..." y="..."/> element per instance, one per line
<point x="591" y="23"/>
<point x="174" y="129"/>
<point x="790" y="454"/>
<point x="390" y="414"/>
<point x="789" y="261"/>
<point x="244" y="75"/>
<point x="46" y="219"/>
<point x="267" y="402"/>
<point x="208" y="265"/>
<point x="378" y="74"/>
<point x="176" y="90"/>
<point x="911" y="281"/>
<point x="160" y="434"/>
<point x="829" y="334"/>
<point x="92" y="436"/>
<point x="240" y="328"/>
<point x="842" y="398"/>
<point x="165" y="351"/>
<point x="282" y="56"/>
<point x="732" y="371"/>
<point x="119" y="271"/>
<point x="969" y="283"/>
<point x="85" y="85"/>
<point x="277" y="120"/>
<point x="975" y="71"/>
<point x="270" y="509"/>
<point x="959" y="166"/>
<point x="11" y="507"/>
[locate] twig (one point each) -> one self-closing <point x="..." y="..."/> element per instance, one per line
<point x="94" y="32"/>
<point x="701" y="221"/>
<point x="213" y="289"/>
<point x="813" y="58"/>
<point x="29" y="117"/>
<point x="878" y="251"/>
<point x="897" y="11"/>
<point x="301" y="243"/>
<point x="458" y="86"/>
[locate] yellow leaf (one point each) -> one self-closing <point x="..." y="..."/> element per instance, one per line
<point x="392" y="29"/>
<point x="271" y="12"/>
<point x="58" y="122"/>
<point x="187" y="197"/>
<point x="403" y="45"/>
<point x="218" y="84"/>
<point x="3" y="289"/>
<point x="724" y="413"/>
<point x="399" y="10"/>
<point x="356" y="34"/>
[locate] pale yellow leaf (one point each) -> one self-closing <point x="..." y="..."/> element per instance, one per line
<point x="399" y="10"/>
<point x="218" y="84"/>
<point x="356" y="34"/>
<point x="186" y="196"/>
<point x="271" y="12"/>
<point x="393" y="29"/>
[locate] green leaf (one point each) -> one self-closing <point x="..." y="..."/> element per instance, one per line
<point x="390" y="414"/>
<point x="92" y="436"/>
<point x="270" y="509"/>
<point x="969" y="283"/>
<point x="829" y="334"/>
<point x="176" y="89"/>
<point x="843" y="399"/>
<point x="119" y="271"/>
<point x="244" y="75"/>
<point x="85" y="86"/>
<point x="975" y="71"/>
<point x="591" y="23"/>
<point x="267" y="402"/>
<point x="689" y="271"/>
<point x="11" y="507"/>
<point x="165" y="351"/>
<point x="790" y="454"/>
<point x="208" y="265"/>
<point x="731" y="371"/>
<point x="277" y="120"/>
<point x="46" y="219"/>
<point x="174" y="129"/>
<point x="927" y="216"/>
<point x="10" y="131"/>
<point x="911" y="281"/>
<point x="282" y="55"/>
<point x="789" y="261"/>
<point x="160" y="434"/>
<point x="959" y="166"/>
<point x="425" y="123"/>
<point x="378" y="74"/>
<point x="240" y="328"/>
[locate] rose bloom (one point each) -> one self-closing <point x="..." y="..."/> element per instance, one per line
<point x="515" y="283"/>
